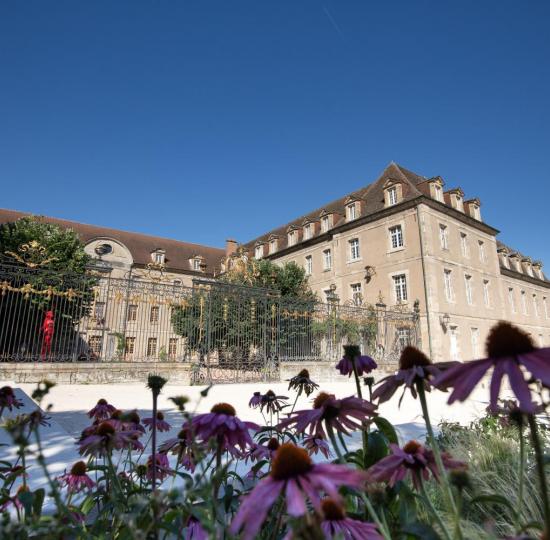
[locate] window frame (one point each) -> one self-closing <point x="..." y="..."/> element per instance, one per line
<point x="328" y="252"/>
<point x="444" y="236"/>
<point x="448" y="285"/>
<point x="308" y="267"/>
<point x="400" y="288"/>
<point x="354" y="249"/>
<point x="397" y="240"/>
<point x="469" y="289"/>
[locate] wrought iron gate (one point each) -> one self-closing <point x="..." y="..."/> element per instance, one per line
<point x="226" y="333"/>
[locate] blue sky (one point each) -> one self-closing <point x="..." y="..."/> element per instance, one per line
<point x="202" y="120"/>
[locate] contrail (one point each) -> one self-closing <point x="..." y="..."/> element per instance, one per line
<point x="333" y="22"/>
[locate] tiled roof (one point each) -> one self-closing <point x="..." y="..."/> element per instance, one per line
<point x="371" y="195"/>
<point x="140" y="245"/>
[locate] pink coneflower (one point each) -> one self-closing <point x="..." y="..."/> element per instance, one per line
<point x="414" y="367"/>
<point x="363" y="364"/>
<point x="162" y="466"/>
<point x="101" y="411"/>
<point x="510" y="352"/>
<point x="295" y="476"/>
<point x="104" y="439"/>
<point x="338" y="414"/>
<point x="195" y="531"/>
<point x="181" y="447"/>
<point x="315" y="444"/>
<point x="272" y="402"/>
<point x="302" y="383"/>
<point x="336" y="525"/>
<point x="131" y="421"/>
<point x="8" y="399"/>
<point x="255" y="400"/>
<point x="162" y="424"/>
<point x="221" y="423"/>
<point x="413" y="459"/>
<point x="77" y="479"/>
<point x="260" y="451"/>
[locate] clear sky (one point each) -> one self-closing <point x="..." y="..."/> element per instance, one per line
<point x="201" y="120"/>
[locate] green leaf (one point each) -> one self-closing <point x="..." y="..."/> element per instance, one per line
<point x="39" y="495"/>
<point x="494" y="499"/>
<point x="387" y="429"/>
<point x="377" y="448"/>
<point x="26" y="499"/>
<point x="422" y="531"/>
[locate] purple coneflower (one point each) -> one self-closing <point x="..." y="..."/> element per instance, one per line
<point x="104" y="439"/>
<point x="222" y="424"/>
<point x="162" y="424"/>
<point x="162" y="466"/>
<point x="294" y="475"/>
<point x="260" y="451"/>
<point x="255" y="400"/>
<point x="337" y="525"/>
<point x="131" y="421"/>
<point x="352" y="356"/>
<point x="272" y="402"/>
<point x="414" y="367"/>
<point x="181" y="447"/>
<point x="8" y="399"/>
<point x="195" y="531"/>
<point x="315" y="444"/>
<point x="413" y="459"/>
<point x="510" y="352"/>
<point x="77" y="479"/>
<point x="302" y="383"/>
<point x="102" y="410"/>
<point x="337" y="414"/>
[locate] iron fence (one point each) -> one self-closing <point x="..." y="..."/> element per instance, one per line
<point x="226" y="332"/>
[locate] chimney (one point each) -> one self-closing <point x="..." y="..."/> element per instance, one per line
<point x="230" y="247"/>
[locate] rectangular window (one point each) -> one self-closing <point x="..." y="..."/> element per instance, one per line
<point x="481" y="251"/>
<point x="309" y="265"/>
<point x="354" y="249"/>
<point x="438" y="193"/>
<point x="129" y="345"/>
<point x="443" y="237"/>
<point x="396" y="235"/>
<point x="152" y="346"/>
<point x="259" y="252"/>
<point x="535" y="306"/>
<point x="400" y="285"/>
<point x="454" y="348"/>
<point x="524" y="302"/>
<point x="392" y="196"/>
<point x="95" y="344"/>
<point x="197" y="264"/>
<point x="464" y="245"/>
<point x="351" y="212"/>
<point x="159" y="258"/>
<point x="154" y="314"/>
<point x="511" y="300"/>
<point x="172" y="347"/>
<point x="99" y="310"/>
<point x="545" y="306"/>
<point x="132" y="312"/>
<point x="327" y="259"/>
<point x="403" y="337"/>
<point x="486" y="293"/>
<point x="356" y="293"/>
<point x="307" y="231"/>
<point x="291" y="238"/>
<point x="448" y="282"/>
<point x="474" y="336"/>
<point x="468" y="287"/>
<point x="324" y="224"/>
<point x="273" y="246"/>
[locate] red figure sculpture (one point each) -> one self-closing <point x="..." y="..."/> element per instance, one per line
<point x="47" y="328"/>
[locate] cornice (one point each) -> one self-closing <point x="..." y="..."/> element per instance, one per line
<point x="524" y="277"/>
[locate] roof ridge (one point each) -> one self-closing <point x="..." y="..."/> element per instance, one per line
<point x="70" y="221"/>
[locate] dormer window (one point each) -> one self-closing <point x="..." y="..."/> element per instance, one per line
<point x="352" y="211"/>
<point x="308" y="231"/>
<point x="325" y="224"/>
<point x="292" y="238"/>
<point x="196" y="263"/>
<point x="392" y="196"/>
<point x="273" y="245"/>
<point x="438" y="193"/>
<point x="259" y="251"/>
<point x="158" y="256"/>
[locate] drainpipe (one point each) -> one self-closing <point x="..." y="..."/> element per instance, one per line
<point x="424" y="280"/>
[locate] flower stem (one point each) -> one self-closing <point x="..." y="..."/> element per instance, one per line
<point x="521" y="475"/>
<point x="332" y="438"/>
<point x="296" y="400"/>
<point x="540" y="468"/>
<point x="426" y="499"/>
<point x="364" y="428"/>
<point x="435" y="446"/>
<point x="383" y="529"/>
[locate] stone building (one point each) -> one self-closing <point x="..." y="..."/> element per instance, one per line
<point x="407" y="238"/>
<point x="402" y="239"/>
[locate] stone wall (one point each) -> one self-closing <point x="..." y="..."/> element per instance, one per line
<point x="326" y="371"/>
<point x="93" y="372"/>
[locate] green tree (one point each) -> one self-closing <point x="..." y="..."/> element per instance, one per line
<point x="44" y="267"/>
